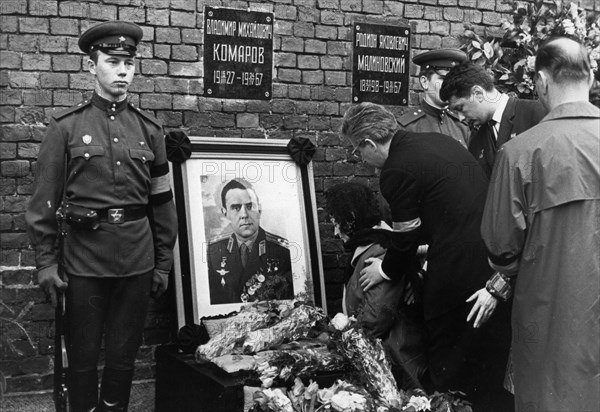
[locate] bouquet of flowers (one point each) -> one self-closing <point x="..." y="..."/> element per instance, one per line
<point x="368" y="357"/>
<point x="284" y="364"/>
<point x="294" y="326"/>
<point x="251" y="317"/>
<point x="341" y="396"/>
<point x="260" y="326"/>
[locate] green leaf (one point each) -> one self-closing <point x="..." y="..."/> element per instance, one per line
<point x="476" y="55"/>
<point x="476" y="44"/>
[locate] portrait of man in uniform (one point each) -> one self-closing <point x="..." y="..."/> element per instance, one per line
<point x="245" y="262"/>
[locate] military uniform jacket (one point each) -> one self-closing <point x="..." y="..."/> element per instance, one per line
<point x="433" y="180"/>
<point x="429" y="119"/>
<point x="115" y="158"/>
<point x="267" y="275"/>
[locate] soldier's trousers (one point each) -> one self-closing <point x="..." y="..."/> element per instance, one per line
<point x="116" y="309"/>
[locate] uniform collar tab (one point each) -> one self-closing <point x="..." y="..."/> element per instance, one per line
<point x="108" y="106"/>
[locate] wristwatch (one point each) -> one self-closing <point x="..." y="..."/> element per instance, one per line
<point x="499" y="286"/>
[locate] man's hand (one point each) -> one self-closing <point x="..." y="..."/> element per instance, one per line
<point x="370" y="274"/>
<point x="49" y="281"/>
<point x="484" y="307"/>
<point x="160" y="282"/>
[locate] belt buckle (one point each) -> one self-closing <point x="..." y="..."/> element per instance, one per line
<point x="115" y="216"/>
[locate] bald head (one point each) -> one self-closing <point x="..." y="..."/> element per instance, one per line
<point x="565" y="60"/>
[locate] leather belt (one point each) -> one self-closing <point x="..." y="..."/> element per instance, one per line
<point x="118" y="215"/>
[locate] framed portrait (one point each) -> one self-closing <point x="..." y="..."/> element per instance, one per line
<point x="248" y="227"/>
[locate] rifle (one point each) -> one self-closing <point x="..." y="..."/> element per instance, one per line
<point x="61" y="361"/>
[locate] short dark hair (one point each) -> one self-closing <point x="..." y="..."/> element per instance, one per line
<point x="460" y="80"/>
<point x="427" y="72"/>
<point x="353" y="205"/>
<point x="232" y="184"/>
<point x="565" y="59"/>
<point x="94" y="55"/>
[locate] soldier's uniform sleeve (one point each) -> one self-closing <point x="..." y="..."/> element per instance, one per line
<point x="504" y="222"/>
<point x="161" y="210"/>
<point x="41" y="211"/>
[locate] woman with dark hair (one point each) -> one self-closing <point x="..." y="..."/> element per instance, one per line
<point x="381" y="310"/>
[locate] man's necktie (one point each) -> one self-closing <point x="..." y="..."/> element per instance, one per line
<point x="492" y="125"/>
<point x="244" y="252"/>
<point x="490" y="144"/>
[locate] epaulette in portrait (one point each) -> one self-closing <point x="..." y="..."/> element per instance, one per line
<point x="146" y="115"/>
<point x="220" y="238"/>
<point x="410" y="116"/>
<point x="73" y="109"/>
<point x="277" y="239"/>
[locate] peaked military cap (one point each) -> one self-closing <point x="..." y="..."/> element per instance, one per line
<point x="119" y="38"/>
<point x="440" y="59"/>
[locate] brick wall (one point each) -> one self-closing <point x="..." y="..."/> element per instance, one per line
<point x="42" y="70"/>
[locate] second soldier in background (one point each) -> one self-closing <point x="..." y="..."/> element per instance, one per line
<point x="433" y="114"/>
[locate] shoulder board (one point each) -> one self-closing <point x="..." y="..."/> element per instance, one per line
<point x="145" y="115"/>
<point x="277" y="239"/>
<point x="220" y="238"/>
<point x="452" y="114"/>
<point x="70" y="110"/>
<point x="410" y="116"/>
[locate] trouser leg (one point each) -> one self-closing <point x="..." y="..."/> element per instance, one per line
<point x="453" y="349"/>
<point x="124" y="330"/>
<point x="86" y="310"/>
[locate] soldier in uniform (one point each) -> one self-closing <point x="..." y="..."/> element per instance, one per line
<point x="247" y="263"/>
<point x="433" y="115"/>
<point x="105" y="161"/>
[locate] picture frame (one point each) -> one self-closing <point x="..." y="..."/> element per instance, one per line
<point x="206" y="261"/>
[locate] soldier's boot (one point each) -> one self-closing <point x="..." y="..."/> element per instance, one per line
<point x="83" y="390"/>
<point x="115" y="389"/>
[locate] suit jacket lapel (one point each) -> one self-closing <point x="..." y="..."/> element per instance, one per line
<point x="506" y="124"/>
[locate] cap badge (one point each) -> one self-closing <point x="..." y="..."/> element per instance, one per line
<point x="121" y="39"/>
<point x="87" y="139"/>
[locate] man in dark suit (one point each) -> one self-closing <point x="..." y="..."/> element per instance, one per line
<point x="497" y="118"/>
<point x="432" y="200"/>
<point x="247" y="263"/>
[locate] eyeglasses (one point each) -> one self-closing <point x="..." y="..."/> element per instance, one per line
<point x="355" y="152"/>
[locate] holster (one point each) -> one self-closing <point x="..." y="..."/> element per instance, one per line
<point x="81" y="217"/>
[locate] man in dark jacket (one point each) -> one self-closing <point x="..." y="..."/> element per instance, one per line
<point x="436" y="192"/>
<point x="496" y="117"/>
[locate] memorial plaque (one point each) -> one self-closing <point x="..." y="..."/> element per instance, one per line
<point x="381" y="63"/>
<point x="238" y="54"/>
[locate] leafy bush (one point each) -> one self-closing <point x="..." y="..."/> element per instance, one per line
<point x="511" y="59"/>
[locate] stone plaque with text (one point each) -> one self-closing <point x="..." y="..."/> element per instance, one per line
<point x="380" y="64"/>
<point x="238" y="54"/>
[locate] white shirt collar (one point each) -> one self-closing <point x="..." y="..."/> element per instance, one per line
<point x="500" y="109"/>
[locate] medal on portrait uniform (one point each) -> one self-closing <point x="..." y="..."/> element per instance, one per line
<point x="87" y="139"/>
<point x="222" y="271"/>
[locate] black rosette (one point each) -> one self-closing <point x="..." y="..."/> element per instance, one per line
<point x="179" y="147"/>
<point x="191" y="336"/>
<point x="301" y="149"/>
